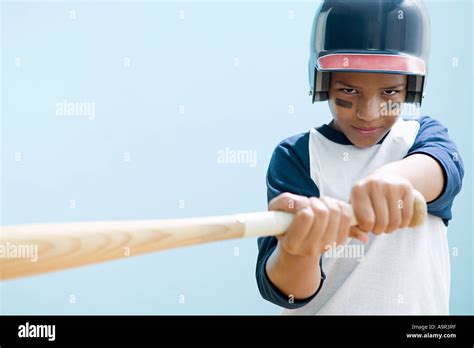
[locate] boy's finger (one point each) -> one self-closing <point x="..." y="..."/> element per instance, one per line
<point x="320" y="223"/>
<point x="345" y="224"/>
<point x="380" y="206"/>
<point x="300" y="228"/>
<point x="363" y="210"/>
<point x="357" y="233"/>
<point x="332" y="227"/>
<point x="407" y="209"/>
<point x="288" y="202"/>
<point x="395" y="206"/>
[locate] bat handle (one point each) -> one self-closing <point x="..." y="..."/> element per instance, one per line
<point x="273" y="223"/>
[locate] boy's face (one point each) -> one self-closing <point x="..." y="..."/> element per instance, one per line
<point x="365" y="105"/>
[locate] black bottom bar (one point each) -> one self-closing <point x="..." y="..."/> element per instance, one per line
<point x="447" y="331"/>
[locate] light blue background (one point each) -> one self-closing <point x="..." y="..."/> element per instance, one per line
<point x="176" y="62"/>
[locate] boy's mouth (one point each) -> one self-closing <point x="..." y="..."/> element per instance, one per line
<point x="367" y="131"/>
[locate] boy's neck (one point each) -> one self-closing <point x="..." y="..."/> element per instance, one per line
<point x="333" y="125"/>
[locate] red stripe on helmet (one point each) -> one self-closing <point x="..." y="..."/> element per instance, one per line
<point x="373" y="62"/>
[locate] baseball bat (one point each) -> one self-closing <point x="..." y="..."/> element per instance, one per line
<point x="33" y="249"/>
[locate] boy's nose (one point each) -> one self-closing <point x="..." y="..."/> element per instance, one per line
<point x="368" y="110"/>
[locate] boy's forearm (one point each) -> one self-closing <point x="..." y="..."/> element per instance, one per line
<point x="423" y="171"/>
<point x="297" y="276"/>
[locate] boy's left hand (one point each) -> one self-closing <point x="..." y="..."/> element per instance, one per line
<point x="382" y="203"/>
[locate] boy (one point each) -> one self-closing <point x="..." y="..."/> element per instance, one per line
<point x="367" y="59"/>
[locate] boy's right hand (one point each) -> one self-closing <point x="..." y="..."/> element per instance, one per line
<point x="318" y="223"/>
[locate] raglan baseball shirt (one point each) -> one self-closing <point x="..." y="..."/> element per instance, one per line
<point x="405" y="272"/>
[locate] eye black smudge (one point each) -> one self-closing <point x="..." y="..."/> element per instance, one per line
<point x="344" y="103"/>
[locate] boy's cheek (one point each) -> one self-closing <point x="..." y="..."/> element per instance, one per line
<point x="343" y="111"/>
<point x="345" y="117"/>
<point x="343" y="103"/>
<point x="391" y="108"/>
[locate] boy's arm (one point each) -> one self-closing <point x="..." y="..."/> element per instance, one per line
<point x="422" y="171"/>
<point x="433" y="140"/>
<point x="268" y="249"/>
<point x="432" y="166"/>
<point x="288" y="172"/>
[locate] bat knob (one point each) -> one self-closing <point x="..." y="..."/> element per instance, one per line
<point x="420" y="210"/>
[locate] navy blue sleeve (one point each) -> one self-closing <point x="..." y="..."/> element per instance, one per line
<point x="288" y="172"/>
<point x="289" y="169"/>
<point x="433" y="140"/>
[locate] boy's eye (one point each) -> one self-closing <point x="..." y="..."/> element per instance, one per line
<point x="348" y="90"/>
<point x="390" y="92"/>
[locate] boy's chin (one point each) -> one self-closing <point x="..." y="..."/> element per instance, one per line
<point x="361" y="141"/>
<point x="366" y="142"/>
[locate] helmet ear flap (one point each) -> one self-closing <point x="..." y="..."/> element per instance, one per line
<point x="415" y="84"/>
<point x="321" y="85"/>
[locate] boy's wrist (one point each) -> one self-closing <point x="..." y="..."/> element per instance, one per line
<point x="283" y="257"/>
<point x="296" y="276"/>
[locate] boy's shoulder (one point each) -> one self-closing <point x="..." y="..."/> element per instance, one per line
<point x="429" y="130"/>
<point x="295" y="147"/>
<point x="295" y="141"/>
<point x="292" y="151"/>
<point x="426" y="121"/>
